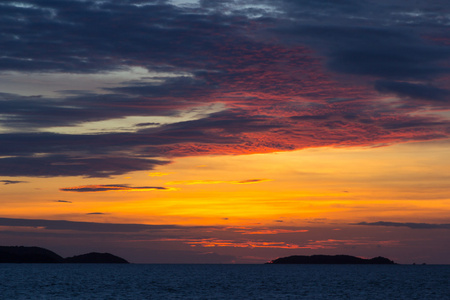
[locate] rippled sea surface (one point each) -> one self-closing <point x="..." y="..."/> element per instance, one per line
<point x="140" y="281"/>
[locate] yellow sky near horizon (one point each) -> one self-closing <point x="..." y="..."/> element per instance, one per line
<point x="405" y="182"/>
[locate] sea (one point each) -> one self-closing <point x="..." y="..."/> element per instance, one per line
<point x="209" y="281"/>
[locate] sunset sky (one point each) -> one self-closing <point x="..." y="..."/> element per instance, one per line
<point x="226" y="131"/>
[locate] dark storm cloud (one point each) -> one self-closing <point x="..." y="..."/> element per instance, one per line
<point x="62" y="165"/>
<point x="100" y="155"/>
<point x="383" y="39"/>
<point x="40" y="112"/>
<point x="172" y="87"/>
<point x="379" y="56"/>
<point x="62" y="201"/>
<point x="375" y="51"/>
<point x="147" y="124"/>
<point x="409" y="225"/>
<point x="279" y="69"/>
<point x="412" y="123"/>
<point x="322" y="11"/>
<point x="228" y="121"/>
<point x="413" y="90"/>
<point x="79" y="36"/>
<point x="361" y="12"/>
<point x="108" y="144"/>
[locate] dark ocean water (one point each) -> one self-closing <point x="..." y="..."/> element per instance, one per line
<point x="140" y="281"/>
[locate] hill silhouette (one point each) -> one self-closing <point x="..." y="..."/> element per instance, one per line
<point x="22" y="254"/>
<point x="331" y="259"/>
<point x="98" y="258"/>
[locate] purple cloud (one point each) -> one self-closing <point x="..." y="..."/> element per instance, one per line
<point x="111" y="187"/>
<point x="6" y="182"/>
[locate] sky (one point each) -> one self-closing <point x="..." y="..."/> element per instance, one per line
<point x="227" y="131"/>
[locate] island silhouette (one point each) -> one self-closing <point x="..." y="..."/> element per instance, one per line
<point x="22" y="254"/>
<point x="331" y="259"/>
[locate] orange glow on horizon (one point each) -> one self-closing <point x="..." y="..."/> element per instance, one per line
<point x="335" y="185"/>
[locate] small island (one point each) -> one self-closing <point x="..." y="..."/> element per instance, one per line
<point x="96" y="258"/>
<point x="21" y="254"/>
<point x="331" y="259"/>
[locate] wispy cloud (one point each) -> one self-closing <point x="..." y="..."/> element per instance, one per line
<point x="257" y="243"/>
<point x="6" y="182"/>
<point x="62" y="201"/>
<point x="215" y="242"/>
<point x="336" y="243"/>
<point x="84" y="226"/>
<point x="113" y="187"/>
<point x="408" y="225"/>
<point x="274" y="231"/>
<point x="263" y="230"/>
<point x="193" y="182"/>
<point x="250" y="181"/>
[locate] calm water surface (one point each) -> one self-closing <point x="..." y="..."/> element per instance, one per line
<point x="107" y="281"/>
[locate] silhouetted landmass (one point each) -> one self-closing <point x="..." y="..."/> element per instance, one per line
<point x="21" y="254"/>
<point x="331" y="259"/>
<point x="97" y="258"/>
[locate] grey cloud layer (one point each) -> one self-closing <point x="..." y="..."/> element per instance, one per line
<point x="409" y="225"/>
<point x="83" y="226"/>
